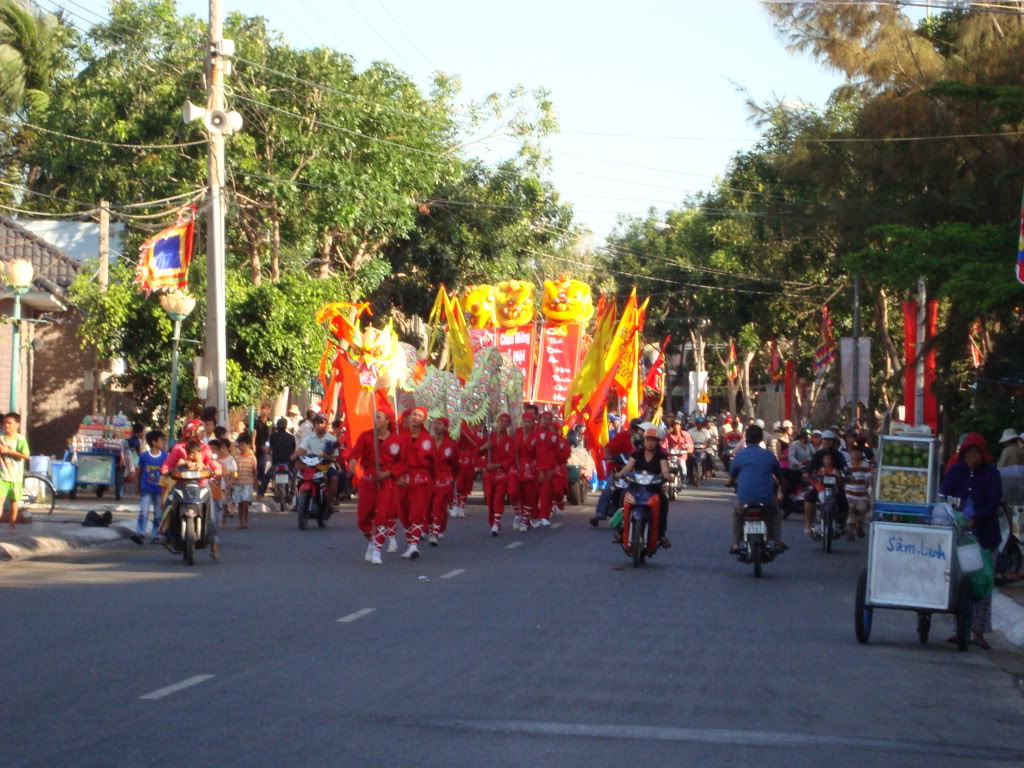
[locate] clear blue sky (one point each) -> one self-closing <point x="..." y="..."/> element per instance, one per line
<point x="640" y="67"/>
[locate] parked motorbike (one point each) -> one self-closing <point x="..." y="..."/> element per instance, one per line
<point x="640" y="516"/>
<point x="826" y="518"/>
<point x="311" y="503"/>
<point x="284" y="486"/>
<point x="757" y="547"/>
<point x="191" y="503"/>
<point x="677" y="465"/>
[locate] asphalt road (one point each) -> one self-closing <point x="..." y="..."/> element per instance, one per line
<point x="555" y="652"/>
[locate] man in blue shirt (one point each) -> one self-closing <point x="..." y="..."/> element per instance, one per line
<point x="754" y="472"/>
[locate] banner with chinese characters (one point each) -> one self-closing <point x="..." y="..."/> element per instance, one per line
<point x="558" y="359"/>
<point x="517" y="344"/>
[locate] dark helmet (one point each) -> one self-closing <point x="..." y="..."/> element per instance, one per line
<point x="636" y="423"/>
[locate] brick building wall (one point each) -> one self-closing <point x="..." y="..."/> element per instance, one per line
<point x="59" y="398"/>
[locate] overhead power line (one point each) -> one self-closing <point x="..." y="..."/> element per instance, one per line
<point x="101" y="142"/>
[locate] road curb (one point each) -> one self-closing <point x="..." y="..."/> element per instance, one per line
<point x="1008" y="618"/>
<point x="58" y="542"/>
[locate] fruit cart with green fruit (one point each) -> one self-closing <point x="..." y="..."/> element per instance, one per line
<point x="913" y="561"/>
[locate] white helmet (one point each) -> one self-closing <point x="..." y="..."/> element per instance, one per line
<point x="787" y="424"/>
<point x="828" y="434"/>
<point x="759" y="423"/>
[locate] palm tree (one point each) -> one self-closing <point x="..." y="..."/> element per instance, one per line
<point x="30" y="42"/>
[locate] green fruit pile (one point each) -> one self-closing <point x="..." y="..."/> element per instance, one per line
<point x="898" y="454"/>
<point x="903" y="486"/>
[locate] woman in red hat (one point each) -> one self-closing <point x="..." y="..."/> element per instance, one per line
<point x="500" y="451"/>
<point x="446" y="466"/>
<point x="377" y="502"/>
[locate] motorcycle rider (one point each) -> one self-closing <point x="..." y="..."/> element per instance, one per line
<point x="320" y="443"/>
<point x="677" y="439"/>
<point x="653" y="460"/>
<point x="830" y="446"/>
<point x="624" y="443"/>
<point x="754" y="472"/>
<point x="282" y="446"/>
<point x="197" y="455"/>
<point x="701" y="436"/>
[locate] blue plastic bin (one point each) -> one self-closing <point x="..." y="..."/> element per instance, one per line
<point x="64" y="475"/>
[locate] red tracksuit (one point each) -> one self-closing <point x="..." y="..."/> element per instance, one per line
<point x="502" y="450"/>
<point x="526" y="474"/>
<point x="417" y="475"/>
<point x="446" y="466"/>
<point x="469" y="452"/>
<point x="377" y="503"/>
<point x="545" y="450"/>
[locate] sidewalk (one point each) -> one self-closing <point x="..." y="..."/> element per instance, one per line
<point x="1008" y="612"/>
<point x="40" y="539"/>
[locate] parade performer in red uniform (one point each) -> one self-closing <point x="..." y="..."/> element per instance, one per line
<point x="446" y="467"/>
<point x="416" y="478"/>
<point x="500" y="458"/>
<point x="377" y="503"/>
<point x="545" y="451"/>
<point x="469" y="453"/>
<point x="526" y="470"/>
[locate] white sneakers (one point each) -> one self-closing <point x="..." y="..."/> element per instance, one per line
<point x="495" y="530"/>
<point x="542" y="522"/>
<point x="432" y="539"/>
<point x="370" y="549"/>
<point x="517" y="521"/>
<point x="375" y="557"/>
<point x="412" y="552"/>
<point x="392" y="544"/>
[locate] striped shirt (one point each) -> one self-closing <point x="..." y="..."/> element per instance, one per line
<point x="859" y="483"/>
<point x="246" y="474"/>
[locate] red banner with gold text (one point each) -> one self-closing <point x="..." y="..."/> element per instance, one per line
<point x="558" y="359"/>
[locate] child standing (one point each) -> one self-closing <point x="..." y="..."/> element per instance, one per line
<point x="14" y="452"/>
<point x="858" y="491"/>
<point x="150" y="461"/>
<point x="246" y="481"/>
<point x="221" y="489"/>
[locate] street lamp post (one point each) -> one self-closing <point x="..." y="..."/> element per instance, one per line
<point x="178" y="305"/>
<point x="19" y="272"/>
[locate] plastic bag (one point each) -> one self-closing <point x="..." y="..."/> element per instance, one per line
<point x="983" y="581"/>
<point x="616" y="521"/>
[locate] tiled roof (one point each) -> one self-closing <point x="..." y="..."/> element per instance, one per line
<point x="54" y="271"/>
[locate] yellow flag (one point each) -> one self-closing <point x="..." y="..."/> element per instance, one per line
<point x="592" y="368"/>
<point x="627" y="378"/>
<point x="459" y="345"/>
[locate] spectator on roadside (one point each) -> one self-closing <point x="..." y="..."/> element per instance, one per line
<point x="1013" y="451"/>
<point x="14" y="452"/>
<point x="305" y="426"/>
<point x="150" y="490"/>
<point x="221" y="490"/>
<point x="135" y="442"/>
<point x="858" y="491"/>
<point x="294" y="417"/>
<point x="245" y="484"/>
<point x="209" y="419"/>
<point x="264" y="426"/>
<point x="975" y="480"/>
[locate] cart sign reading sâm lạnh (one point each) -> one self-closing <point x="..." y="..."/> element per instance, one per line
<point x="910" y="565"/>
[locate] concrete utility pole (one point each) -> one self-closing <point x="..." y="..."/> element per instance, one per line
<point x="103" y="278"/>
<point x="854" y="388"/>
<point x="216" y="337"/>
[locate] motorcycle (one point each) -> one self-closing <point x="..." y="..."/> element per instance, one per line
<point x="311" y="503"/>
<point x="794" y="493"/>
<point x="284" y="486"/>
<point x="191" y="503"/>
<point x="826" y="517"/>
<point x="728" y="451"/>
<point x="699" y="457"/>
<point x="640" y="517"/>
<point x="676" y="465"/>
<point x="756" y="547"/>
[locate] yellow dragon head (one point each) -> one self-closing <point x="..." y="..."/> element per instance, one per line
<point x="478" y="302"/>
<point x="514" y="303"/>
<point x="567" y="301"/>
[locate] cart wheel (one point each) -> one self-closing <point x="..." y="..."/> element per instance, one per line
<point x="964" y="614"/>
<point x="863" y="613"/>
<point x="924" y="623"/>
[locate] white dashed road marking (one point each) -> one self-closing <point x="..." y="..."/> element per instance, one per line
<point x="159" y="693"/>
<point x="356" y="615"/>
<point x="513" y="545"/>
<point x="453" y="574"/>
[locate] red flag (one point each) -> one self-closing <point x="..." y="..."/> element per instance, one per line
<point x="826" y="351"/>
<point x="732" y="370"/>
<point x="910" y="362"/>
<point x="655" y="377"/>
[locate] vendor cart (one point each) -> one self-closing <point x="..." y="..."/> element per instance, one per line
<point x="917" y="553"/>
<point x="100" y="461"/>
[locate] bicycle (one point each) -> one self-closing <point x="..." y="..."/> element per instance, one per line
<point x="37" y="495"/>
